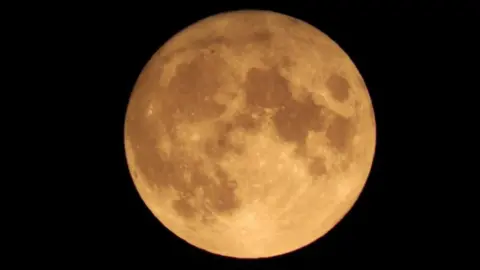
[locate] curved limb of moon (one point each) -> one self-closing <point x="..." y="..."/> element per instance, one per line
<point x="250" y="134"/>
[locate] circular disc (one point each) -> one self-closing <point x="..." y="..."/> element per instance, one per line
<point x="250" y="134"/>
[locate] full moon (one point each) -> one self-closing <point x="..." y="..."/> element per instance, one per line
<point x="250" y="134"/>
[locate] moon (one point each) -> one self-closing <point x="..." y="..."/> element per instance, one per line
<point x="250" y="134"/>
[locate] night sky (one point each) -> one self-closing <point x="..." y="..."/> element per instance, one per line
<point x="396" y="48"/>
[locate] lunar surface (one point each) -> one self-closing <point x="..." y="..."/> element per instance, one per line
<point x="250" y="134"/>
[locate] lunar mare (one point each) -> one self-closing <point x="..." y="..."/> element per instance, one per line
<point x="250" y="134"/>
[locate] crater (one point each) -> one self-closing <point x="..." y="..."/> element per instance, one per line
<point x="339" y="87"/>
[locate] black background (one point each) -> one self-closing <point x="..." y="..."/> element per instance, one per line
<point x="405" y="53"/>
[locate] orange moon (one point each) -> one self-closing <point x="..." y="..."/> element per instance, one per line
<point x="250" y="134"/>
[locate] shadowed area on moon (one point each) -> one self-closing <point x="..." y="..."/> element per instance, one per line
<point x="189" y="98"/>
<point x="338" y="87"/>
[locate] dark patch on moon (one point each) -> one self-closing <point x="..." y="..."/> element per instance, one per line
<point x="263" y="36"/>
<point x="317" y="166"/>
<point x="293" y="119"/>
<point x="182" y="206"/>
<point x="192" y="87"/>
<point x="339" y="87"/>
<point x="286" y="62"/>
<point x="296" y="119"/>
<point x="340" y="133"/>
<point x="211" y="42"/>
<point x="266" y="88"/>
